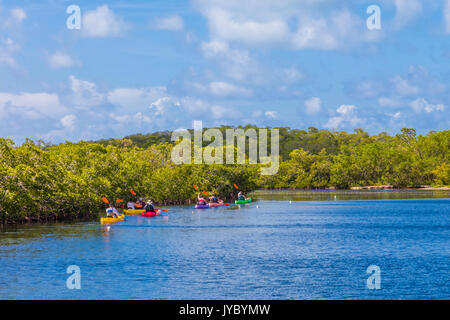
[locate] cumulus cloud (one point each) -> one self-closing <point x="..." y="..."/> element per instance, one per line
<point x="171" y="23"/>
<point x="347" y="117"/>
<point x="84" y="93"/>
<point x="60" y="60"/>
<point x="8" y="48"/>
<point x="406" y="11"/>
<point x="389" y="102"/>
<point x="236" y="63"/>
<point x="135" y="98"/>
<point x="262" y="25"/>
<point x="220" y="89"/>
<point x="31" y="105"/>
<point x="313" y="105"/>
<point x="102" y="22"/>
<point x="271" y="114"/>
<point x="68" y="121"/>
<point x="420" y="105"/>
<point x="229" y="26"/>
<point x="18" y="14"/>
<point x="404" y="87"/>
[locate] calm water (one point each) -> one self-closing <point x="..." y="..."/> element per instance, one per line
<point x="317" y="248"/>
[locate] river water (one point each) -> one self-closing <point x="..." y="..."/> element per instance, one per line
<point x="286" y="245"/>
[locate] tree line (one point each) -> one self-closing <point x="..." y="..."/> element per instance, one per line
<point x="45" y="182"/>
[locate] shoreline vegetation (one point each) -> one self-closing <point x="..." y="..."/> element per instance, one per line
<point x="41" y="182"/>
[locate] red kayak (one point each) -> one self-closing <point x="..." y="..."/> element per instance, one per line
<point x="151" y="214"/>
<point x="215" y="204"/>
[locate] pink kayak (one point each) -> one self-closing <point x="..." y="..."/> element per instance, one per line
<point x="215" y="204"/>
<point x="151" y="214"/>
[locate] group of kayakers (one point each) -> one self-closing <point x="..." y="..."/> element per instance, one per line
<point x="215" y="199"/>
<point x="111" y="211"/>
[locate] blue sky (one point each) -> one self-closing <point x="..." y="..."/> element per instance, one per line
<point x="144" y="66"/>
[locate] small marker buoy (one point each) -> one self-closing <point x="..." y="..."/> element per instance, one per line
<point x="290" y="202"/>
<point x="107" y="228"/>
<point x="257" y="207"/>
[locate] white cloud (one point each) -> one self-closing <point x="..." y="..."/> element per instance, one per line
<point x="172" y="23"/>
<point x="135" y="98"/>
<point x="421" y="104"/>
<point x="31" y="105"/>
<point x="12" y="20"/>
<point x="84" y="93"/>
<point x="8" y="48"/>
<point x="347" y="117"/>
<point x="345" y="109"/>
<point x="230" y="26"/>
<point x="271" y="114"/>
<point x="68" y="121"/>
<point x="294" y="24"/>
<point x="235" y="63"/>
<point x="395" y="116"/>
<point x="406" y="11"/>
<point x="291" y="75"/>
<point x="221" y="89"/>
<point x="404" y="87"/>
<point x="18" y="14"/>
<point x="102" y="22"/>
<point x="389" y="102"/>
<point x="313" y="105"/>
<point x="60" y="60"/>
<point x="447" y="16"/>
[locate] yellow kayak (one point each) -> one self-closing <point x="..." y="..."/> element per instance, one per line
<point x="112" y="220"/>
<point x="133" y="211"/>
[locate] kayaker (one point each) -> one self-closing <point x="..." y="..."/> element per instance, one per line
<point x="200" y="199"/>
<point x="112" y="212"/>
<point x="213" y="199"/>
<point x="131" y="205"/>
<point x="149" y="206"/>
<point x="241" y="196"/>
<point x="140" y="203"/>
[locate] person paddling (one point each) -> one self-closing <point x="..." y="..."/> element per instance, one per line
<point x="149" y="207"/>
<point x="140" y="203"/>
<point x="131" y="205"/>
<point x="241" y="196"/>
<point x="112" y="212"/>
<point x="213" y="199"/>
<point x="200" y="199"/>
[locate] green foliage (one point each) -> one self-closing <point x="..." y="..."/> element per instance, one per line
<point x="40" y="181"/>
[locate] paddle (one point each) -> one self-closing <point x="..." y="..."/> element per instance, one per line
<point x="105" y="200"/>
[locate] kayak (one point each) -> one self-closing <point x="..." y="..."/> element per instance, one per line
<point x="133" y="211"/>
<point x="111" y="219"/>
<point x="215" y="204"/>
<point x="202" y="206"/>
<point x="243" y="201"/>
<point x="151" y="214"/>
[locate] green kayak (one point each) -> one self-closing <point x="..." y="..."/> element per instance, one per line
<point x="243" y="201"/>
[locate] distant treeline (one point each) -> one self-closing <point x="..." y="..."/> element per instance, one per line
<point x="44" y="182"/>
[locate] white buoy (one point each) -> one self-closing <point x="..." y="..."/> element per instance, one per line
<point x="257" y="207"/>
<point x="107" y="228"/>
<point x="290" y="202"/>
